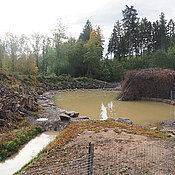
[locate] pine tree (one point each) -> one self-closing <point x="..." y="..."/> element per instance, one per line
<point x="130" y="24"/>
<point x="85" y="35"/>
<point x="145" y="36"/>
<point x="171" y="28"/>
<point x="160" y="34"/>
<point x="163" y="32"/>
<point x="171" y="33"/>
<point x="114" y="42"/>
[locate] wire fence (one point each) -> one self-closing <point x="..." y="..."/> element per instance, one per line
<point x="151" y="159"/>
<point x="172" y="95"/>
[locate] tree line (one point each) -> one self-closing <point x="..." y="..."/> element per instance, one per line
<point x="139" y="43"/>
<point x="134" y="43"/>
<point x="132" y="36"/>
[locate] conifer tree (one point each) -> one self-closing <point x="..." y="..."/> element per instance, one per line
<point x="130" y="24"/>
<point x="115" y="41"/>
<point x="85" y="35"/>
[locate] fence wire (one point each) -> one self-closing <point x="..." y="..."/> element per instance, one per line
<point x="151" y="159"/>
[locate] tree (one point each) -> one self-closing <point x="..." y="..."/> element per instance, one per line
<point x="59" y="37"/>
<point x="171" y="28"/>
<point x="85" y="35"/>
<point x="94" y="53"/>
<point x="27" y="64"/>
<point x="163" y="32"/>
<point x="160" y="34"/>
<point x="145" y="36"/>
<point x="76" y="59"/>
<point x="171" y="33"/>
<point x="24" y="45"/>
<point x="130" y="24"/>
<point x="37" y="41"/>
<point x="11" y="46"/>
<point x="114" y="46"/>
<point x="4" y="59"/>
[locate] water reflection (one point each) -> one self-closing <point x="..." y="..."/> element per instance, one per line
<point x="109" y="108"/>
<point x="103" y="104"/>
<point x="104" y="115"/>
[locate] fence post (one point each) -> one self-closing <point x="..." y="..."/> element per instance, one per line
<point x="90" y="158"/>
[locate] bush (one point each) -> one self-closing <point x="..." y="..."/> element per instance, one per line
<point x="82" y="79"/>
<point x="65" y="77"/>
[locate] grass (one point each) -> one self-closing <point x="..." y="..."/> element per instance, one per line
<point x="11" y="141"/>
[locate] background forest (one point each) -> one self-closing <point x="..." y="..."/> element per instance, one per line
<point x="134" y="44"/>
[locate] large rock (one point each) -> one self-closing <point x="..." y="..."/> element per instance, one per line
<point x="72" y="113"/>
<point x="125" y="120"/>
<point x="169" y="124"/>
<point x="64" y="117"/>
<point x="83" y="117"/>
<point x="51" y="125"/>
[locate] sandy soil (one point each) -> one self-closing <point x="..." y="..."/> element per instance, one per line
<point x="109" y="140"/>
<point x="105" y="141"/>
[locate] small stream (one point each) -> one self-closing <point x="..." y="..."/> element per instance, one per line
<point x="26" y="153"/>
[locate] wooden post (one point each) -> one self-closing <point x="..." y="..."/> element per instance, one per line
<point x="171" y="95"/>
<point x="90" y="158"/>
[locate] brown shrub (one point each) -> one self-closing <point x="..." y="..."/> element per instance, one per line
<point x="148" y="83"/>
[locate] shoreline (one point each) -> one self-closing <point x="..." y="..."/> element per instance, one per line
<point x="52" y="112"/>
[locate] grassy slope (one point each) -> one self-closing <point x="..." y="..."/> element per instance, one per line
<point x="13" y="139"/>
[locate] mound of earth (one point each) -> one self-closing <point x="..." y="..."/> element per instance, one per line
<point x="148" y="83"/>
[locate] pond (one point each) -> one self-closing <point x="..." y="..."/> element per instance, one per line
<point x="103" y="104"/>
<point x="26" y="153"/>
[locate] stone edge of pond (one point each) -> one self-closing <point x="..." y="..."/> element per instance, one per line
<point x="51" y="115"/>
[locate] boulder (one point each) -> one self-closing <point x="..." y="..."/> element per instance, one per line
<point x="124" y="120"/>
<point x="111" y="119"/>
<point x="169" y="124"/>
<point x="83" y="117"/>
<point x="51" y="103"/>
<point x="64" y="117"/>
<point x="72" y="114"/>
<point x="41" y="119"/>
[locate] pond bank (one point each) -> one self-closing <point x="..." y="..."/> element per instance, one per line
<point x="54" y="118"/>
<point x="51" y="121"/>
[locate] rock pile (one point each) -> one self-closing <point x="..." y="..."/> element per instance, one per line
<point x="16" y="102"/>
<point x="19" y="95"/>
<point x="54" y="118"/>
<point x="74" y="83"/>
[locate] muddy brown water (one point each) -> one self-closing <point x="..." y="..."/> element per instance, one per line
<point x="26" y="153"/>
<point x="103" y="105"/>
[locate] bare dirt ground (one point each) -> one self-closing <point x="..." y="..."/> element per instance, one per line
<point x="108" y="140"/>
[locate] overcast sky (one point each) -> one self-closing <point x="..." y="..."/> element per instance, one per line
<point x="29" y="16"/>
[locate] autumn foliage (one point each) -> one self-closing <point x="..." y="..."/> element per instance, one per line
<point x="148" y="83"/>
